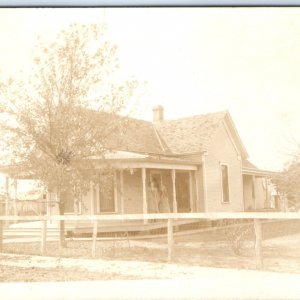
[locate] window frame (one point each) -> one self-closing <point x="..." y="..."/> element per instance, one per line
<point x="228" y="185"/>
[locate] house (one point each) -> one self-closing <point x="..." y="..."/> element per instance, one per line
<point x="194" y="164"/>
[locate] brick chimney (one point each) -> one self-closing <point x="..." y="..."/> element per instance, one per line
<point x="158" y="113"/>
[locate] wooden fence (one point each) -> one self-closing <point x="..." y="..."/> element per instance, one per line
<point x="94" y="219"/>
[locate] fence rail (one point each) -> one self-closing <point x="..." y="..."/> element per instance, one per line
<point x="170" y="219"/>
<point x="203" y="216"/>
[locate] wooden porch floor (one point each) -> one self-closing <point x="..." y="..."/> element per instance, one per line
<point x="86" y="227"/>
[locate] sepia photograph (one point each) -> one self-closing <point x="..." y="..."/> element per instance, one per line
<point x="150" y="153"/>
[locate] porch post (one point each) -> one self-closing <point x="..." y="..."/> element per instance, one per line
<point x="97" y="208"/>
<point x="191" y="192"/>
<point x="6" y="199"/>
<point x="253" y="192"/>
<point x="122" y="191"/>
<point x="196" y="176"/>
<point x="174" y="191"/>
<point x="145" y="206"/>
<point x="267" y="192"/>
<point x="115" y="182"/>
<point x="92" y="199"/>
<point x="15" y="197"/>
<point x="48" y="204"/>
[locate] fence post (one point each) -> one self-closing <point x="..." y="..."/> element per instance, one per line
<point x="1" y="235"/>
<point x="95" y="231"/>
<point x="44" y="237"/>
<point x="258" y="244"/>
<point x="170" y="239"/>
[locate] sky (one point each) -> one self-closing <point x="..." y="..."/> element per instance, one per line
<point x="195" y="61"/>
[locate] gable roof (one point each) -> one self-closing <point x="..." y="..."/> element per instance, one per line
<point x="174" y="137"/>
<point x="190" y="135"/>
<point x="235" y="135"/>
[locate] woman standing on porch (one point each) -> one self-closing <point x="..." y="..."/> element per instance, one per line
<point x="163" y="204"/>
<point x="154" y="199"/>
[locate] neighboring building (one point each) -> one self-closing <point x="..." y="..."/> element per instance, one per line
<point x="195" y="164"/>
<point x="20" y="196"/>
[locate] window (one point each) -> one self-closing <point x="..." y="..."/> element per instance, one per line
<point x="225" y="183"/>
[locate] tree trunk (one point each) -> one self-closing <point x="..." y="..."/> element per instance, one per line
<point x="1" y="235"/>
<point x="62" y="239"/>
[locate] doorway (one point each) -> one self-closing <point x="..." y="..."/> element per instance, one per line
<point x="183" y="192"/>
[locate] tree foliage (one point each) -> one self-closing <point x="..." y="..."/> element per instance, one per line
<point x="288" y="181"/>
<point x="64" y="114"/>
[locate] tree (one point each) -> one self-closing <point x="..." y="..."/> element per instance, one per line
<point x="288" y="181"/>
<point x="66" y="112"/>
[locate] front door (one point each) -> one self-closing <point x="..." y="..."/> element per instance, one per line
<point x="183" y="192"/>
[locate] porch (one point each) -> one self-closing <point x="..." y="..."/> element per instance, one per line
<point x="140" y="185"/>
<point x="154" y="188"/>
<point x="259" y="193"/>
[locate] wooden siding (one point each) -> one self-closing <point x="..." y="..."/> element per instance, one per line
<point x="222" y="150"/>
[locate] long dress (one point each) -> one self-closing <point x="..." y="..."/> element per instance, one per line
<point x="153" y="201"/>
<point x="164" y="206"/>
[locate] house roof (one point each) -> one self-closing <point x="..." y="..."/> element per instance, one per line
<point x="167" y="138"/>
<point x="174" y="137"/>
<point x="248" y="164"/>
<point x="134" y="135"/>
<point x="190" y="135"/>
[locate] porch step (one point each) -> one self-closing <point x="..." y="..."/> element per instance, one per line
<point x="28" y="232"/>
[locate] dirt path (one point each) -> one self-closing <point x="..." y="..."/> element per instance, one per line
<point x="123" y="268"/>
<point x="183" y="282"/>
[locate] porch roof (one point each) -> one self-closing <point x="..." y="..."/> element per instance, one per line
<point x="17" y="171"/>
<point x="258" y="172"/>
<point x="250" y="169"/>
<point x="124" y="160"/>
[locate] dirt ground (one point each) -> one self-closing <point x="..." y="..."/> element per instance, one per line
<point x="280" y="254"/>
<point x="37" y="274"/>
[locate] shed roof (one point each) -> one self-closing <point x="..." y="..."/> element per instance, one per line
<point x="248" y="168"/>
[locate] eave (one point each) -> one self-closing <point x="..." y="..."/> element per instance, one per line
<point x="257" y="172"/>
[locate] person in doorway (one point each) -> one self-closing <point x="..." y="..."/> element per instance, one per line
<point x="164" y="206"/>
<point x="155" y="197"/>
